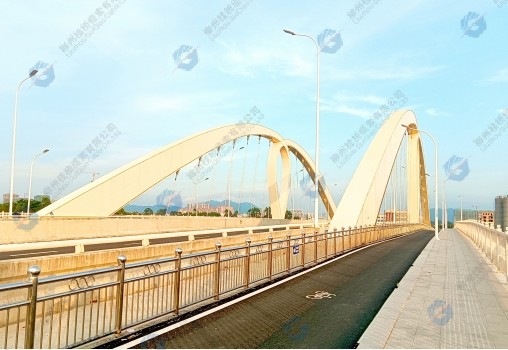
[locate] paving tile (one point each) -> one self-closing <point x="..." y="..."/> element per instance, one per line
<point x="455" y="272"/>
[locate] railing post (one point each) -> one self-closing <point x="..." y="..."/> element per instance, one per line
<point x="349" y="234"/>
<point x="303" y="249"/>
<point x="33" y="274"/>
<point x="334" y="241"/>
<point x="218" y="245"/>
<point x="497" y="250"/>
<point x="246" y="267"/>
<point x="288" y="254"/>
<point x="270" y="257"/>
<point x="343" y="239"/>
<point x="315" y="245"/>
<point x="326" y="243"/>
<point x="119" y="293"/>
<point x="176" y="285"/>
<point x="506" y="254"/>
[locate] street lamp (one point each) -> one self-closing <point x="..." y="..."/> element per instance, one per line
<point x="436" y="216"/>
<point x="316" y="174"/>
<point x="32" y="73"/>
<point x="460" y="207"/>
<point x="30" y="182"/>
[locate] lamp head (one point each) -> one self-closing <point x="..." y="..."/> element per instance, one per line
<point x="289" y="32"/>
<point x="32" y="73"/>
<point x="45" y="151"/>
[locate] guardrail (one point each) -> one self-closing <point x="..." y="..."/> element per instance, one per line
<point x="70" y="310"/>
<point x="492" y="242"/>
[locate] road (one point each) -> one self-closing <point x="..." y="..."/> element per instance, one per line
<point x="329" y="307"/>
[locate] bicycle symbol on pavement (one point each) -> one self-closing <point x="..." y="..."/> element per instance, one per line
<point x="320" y="295"/>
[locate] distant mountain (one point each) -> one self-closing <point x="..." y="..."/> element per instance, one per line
<point x="244" y="206"/>
<point x="141" y="208"/>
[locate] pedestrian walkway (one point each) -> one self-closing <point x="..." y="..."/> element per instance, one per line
<point x="450" y="298"/>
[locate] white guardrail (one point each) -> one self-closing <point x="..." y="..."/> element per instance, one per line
<point x="493" y="242"/>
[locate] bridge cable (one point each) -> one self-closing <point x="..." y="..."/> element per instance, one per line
<point x="243" y="173"/>
<point x="255" y="175"/>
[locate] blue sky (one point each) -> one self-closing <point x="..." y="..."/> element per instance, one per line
<point x="455" y="79"/>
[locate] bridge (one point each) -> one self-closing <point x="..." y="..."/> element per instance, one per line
<point x="172" y="271"/>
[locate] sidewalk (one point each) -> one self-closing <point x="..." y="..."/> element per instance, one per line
<point x="450" y="298"/>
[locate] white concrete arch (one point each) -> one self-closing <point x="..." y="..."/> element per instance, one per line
<point x="111" y="192"/>
<point x="363" y="197"/>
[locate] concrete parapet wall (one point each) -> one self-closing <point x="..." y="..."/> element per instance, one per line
<point x="16" y="270"/>
<point x="24" y="230"/>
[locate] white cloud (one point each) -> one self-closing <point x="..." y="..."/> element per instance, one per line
<point x="499" y="76"/>
<point x="343" y="102"/>
<point x="400" y="73"/>
<point x="435" y="113"/>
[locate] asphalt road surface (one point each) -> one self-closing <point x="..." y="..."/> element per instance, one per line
<point x="326" y="308"/>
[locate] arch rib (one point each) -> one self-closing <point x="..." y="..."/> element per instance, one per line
<point x="106" y="195"/>
<point x="363" y="197"/>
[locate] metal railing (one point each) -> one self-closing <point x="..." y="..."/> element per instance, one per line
<point x="69" y="310"/>
<point x="492" y="242"/>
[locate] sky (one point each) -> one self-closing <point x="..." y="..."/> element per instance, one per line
<point x="148" y="73"/>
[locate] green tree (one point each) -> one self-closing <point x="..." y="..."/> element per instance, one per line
<point x="267" y="213"/>
<point x="288" y="215"/>
<point x="254" y="212"/>
<point x="161" y="212"/>
<point x="121" y="211"/>
<point x="148" y="211"/>
<point x="235" y="215"/>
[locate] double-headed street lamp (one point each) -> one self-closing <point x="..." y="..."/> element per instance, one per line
<point x="32" y="73"/>
<point x="316" y="174"/>
<point x="436" y="216"/>
<point x="30" y="182"/>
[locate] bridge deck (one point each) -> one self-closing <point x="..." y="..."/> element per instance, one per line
<point x="450" y="298"/>
<point x="328" y="307"/>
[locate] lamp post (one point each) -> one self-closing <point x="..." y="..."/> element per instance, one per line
<point x="460" y="207"/>
<point x="32" y="73"/>
<point x="30" y="181"/>
<point x="436" y="216"/>
<point x="229" y="180"/>
<point x="316" y="174"/>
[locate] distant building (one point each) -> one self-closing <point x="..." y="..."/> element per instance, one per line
<point x="486" y="217"/>
<point x="39" y="197"/>
<point x="380" y="219"/>
<point x="501" y="212"/>
<point x="206" y="208"/>
<point x="297" y="213"/>
<point x="400" y="216"/>
<point x="6" y="197"/>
